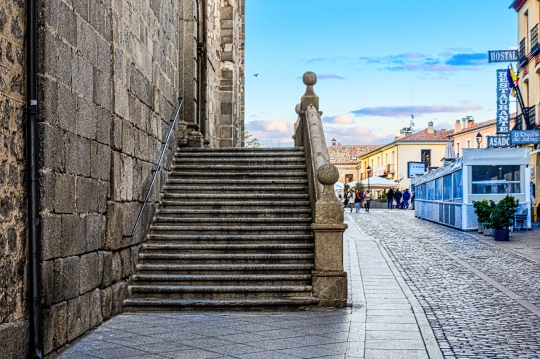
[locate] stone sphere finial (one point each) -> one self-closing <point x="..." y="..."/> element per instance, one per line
<point x="298" y="108"/>
<point x="309" y="78"/>
<point x="328" y="174"/>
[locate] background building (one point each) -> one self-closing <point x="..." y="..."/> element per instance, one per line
<point x="425" y="148"/>
<point x="346" y="159"/>
<point x="528" y="12"/>
<point x="110" y="76"/>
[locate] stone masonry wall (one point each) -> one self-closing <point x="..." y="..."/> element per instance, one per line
<point x="109" y="81"/>
<point x="13" y="247"/>
<point x="228" y="41"/>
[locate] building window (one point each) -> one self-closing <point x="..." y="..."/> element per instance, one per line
<point x="378" y="161"/>
<point x="392" y="157"/>
<point x="457" y="145"/>
<point x="387" y="158"/>
<point x="495" y="179"/>
<point x="468" y="143"/>
<point x="425" y="156"/>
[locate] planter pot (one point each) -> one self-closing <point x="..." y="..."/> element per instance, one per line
<point x="488" y="231"/>
<point x="501" y="234"/>
<point x="480" y="228"/>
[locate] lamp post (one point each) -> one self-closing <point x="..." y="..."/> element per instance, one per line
<point x="479" y="139"/>
<point x="368" y="169"/>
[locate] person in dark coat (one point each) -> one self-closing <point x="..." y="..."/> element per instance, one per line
<point x="397" y="197"/>
<point x="406" y="197"/>
<point x="390" y="195"/>
<point x="357" y="200"/>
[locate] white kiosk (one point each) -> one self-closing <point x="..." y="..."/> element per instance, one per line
<point x="446" y="195"/>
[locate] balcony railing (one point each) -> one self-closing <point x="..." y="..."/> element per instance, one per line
<point x="518" y="126"/>
<point x="522" y="53"/>
<point x="390" y="169"/>
<point x="532" y="117"/>
<point x="535" y="48"/>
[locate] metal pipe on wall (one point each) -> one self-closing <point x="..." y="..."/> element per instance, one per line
<point x="34" y="220"/>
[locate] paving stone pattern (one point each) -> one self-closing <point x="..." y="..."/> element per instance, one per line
<point x="480" y="298"/>
<point x="382" y="321"/>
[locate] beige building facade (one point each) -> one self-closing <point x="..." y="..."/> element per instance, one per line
<point x="528" y="12"/>
<point x="346" y="159"/>
<point x="422" y="149"/>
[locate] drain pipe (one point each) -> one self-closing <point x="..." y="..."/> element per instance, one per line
<point x="34" y="220"/>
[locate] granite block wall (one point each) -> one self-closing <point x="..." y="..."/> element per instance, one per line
<point x="109" y="89"/>
<point x="13" y="245"/>
<point x="110" y="75"/>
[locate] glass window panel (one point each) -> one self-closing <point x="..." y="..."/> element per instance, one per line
<point x="458" y="184"/>
<point x="496" y="179"/>
<point x="447" y="190"/>
<point x="439" y="189"/>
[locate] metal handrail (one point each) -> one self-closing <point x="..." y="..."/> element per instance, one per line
<point x="158" y="167"/>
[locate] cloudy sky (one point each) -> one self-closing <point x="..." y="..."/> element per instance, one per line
<point x="377" y="62"/>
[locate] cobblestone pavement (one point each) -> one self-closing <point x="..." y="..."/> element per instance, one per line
<point x="383" y="320"/>
<point x="482" y="298"/>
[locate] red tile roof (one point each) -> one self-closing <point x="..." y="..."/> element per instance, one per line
<point x="340" y="155"/>
<point x="425" y="136"/>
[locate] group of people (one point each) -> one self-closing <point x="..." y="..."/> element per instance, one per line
<point x="355" y="199"/>
<point x="398" y="199"/>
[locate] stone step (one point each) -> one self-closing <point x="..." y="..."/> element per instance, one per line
<point x="222" y="279"/>
<point x="231" y="221"/>
<point x="236" y="213"/>
<point x="237" y="182"/>
<point x="232" y="196"/>
<point x="219" y="268"/>
<point x="236" y="175"/>
<point x="240" y="149"/>
<point x="228" y="204"/>
<point x="245" y="154"/>
<point x="241" y="238"/>
<point x="188" y="278"/>
<point x="217" y="288"/>
<point x="225" y="246"/>
<point x="216" y="292"/>
<point x="297" y="160"/>
<point x="235" y="188"/>
<point x="262" y="168"/>
<point x="229" y="229"/>
<point x="223" y="304"/>
<point x="220" y="257"/>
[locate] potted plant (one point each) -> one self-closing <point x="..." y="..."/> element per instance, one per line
<point x="502" y="217"/>
<point x="482" y="210"/>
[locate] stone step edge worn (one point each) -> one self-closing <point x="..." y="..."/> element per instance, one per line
<point x="225" y="266"/>
<point x="217" y="288"/>
<point x="265" y="256"/>
<point x="224" y="277"/>
<point x="178" y="246"/>
<point x="240" y="149"/>
<point x="221" y="303"/>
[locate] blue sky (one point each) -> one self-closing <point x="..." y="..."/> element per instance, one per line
<point x="374" y="60"/>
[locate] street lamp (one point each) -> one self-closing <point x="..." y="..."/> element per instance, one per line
<point x="368" y="168"/>
<point x="479" y="139"/>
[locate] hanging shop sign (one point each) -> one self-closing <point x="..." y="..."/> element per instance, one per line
<point x="498" y="141"/>
<point x="503" y="56"/>
<point x="530" y="137"/>
<point x="503" y="103"/>
<point x="415" y="168"/>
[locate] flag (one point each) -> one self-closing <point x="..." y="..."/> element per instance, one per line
<point x="512" y="80"/>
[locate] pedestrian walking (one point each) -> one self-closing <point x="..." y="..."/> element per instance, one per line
<point x="345" y="200"/>
<point x="350" y="198"/>
<point x="397" y="197"/>
<point x="406" y="197"/>
<point x="357" y="200"/>
<point x="390" y="196"/>
<point x="367" y="200"/>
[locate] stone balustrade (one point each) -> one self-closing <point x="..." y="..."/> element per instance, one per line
<point x="328" y="279"/>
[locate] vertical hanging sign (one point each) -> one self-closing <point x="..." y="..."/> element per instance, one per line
<point x="503" y="103"/>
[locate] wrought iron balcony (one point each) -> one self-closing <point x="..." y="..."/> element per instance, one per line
<point x="535" y="47"/>
<point x="518" y="126"/>
<point x="390" y="169"/>
<point x="532" y="117"/>
<point x="522" y="53"/>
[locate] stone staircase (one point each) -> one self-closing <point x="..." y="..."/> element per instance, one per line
<point x="232" y="232"/>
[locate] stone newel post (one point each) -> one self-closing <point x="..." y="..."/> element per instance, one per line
<point x="329" y="279"/>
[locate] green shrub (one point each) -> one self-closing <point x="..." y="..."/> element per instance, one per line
<point x="502" y="213"/>
<point x="482" y="210"/>
<point x="383" y="198"/>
